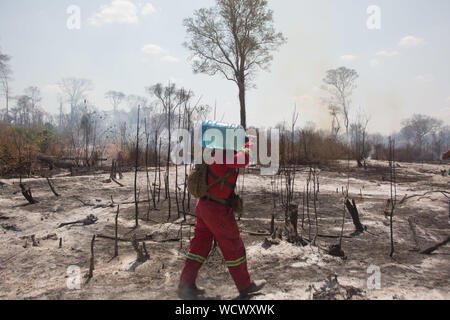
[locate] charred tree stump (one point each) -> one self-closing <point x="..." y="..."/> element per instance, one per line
<point x="116" y="247"/>
<point x="52" y="188"/>
<point x="272" y="224"/>
<point x="353" y="210"/>
<point x="142" y="254"/>
<point x="113" y="174"/>
<point x="91" y="263"/>
<point x="34" y="241"/>
<point x="26" y="192"/>
<point x="291" y="223"/>
<point x="342" y="227"/>
<point x="336" y="251"/>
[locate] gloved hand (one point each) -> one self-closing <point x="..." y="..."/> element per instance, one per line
<point x="250" y="147"/>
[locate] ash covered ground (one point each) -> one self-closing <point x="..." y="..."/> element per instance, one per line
<point x="39" y="270"/>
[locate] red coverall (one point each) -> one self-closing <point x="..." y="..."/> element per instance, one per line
<point x="216" y="220"/>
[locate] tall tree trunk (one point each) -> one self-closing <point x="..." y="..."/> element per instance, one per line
<point x="147" y="136"/>
<point x="7" y="102"/>
<point x="86" y="146"/>
<point x="241" y="86"/>
<point x="156" y="171"/>
<point x="167" y="179"/>
<point x="136" y="172"/>
<point x="71" y="112"/>
<point x="159" y="171"/>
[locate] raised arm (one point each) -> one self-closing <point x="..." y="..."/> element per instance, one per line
<point x="242" y="158"/>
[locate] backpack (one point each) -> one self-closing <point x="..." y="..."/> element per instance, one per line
<point x="197" y="181"/>
<point x="198" y="186"/>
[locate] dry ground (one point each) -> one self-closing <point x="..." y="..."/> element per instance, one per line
<point x="40" y="272"/>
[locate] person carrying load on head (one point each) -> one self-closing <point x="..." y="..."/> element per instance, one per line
<point x="215" y="220"/>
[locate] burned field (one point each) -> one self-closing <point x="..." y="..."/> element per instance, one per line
<point x="41" y="241"/>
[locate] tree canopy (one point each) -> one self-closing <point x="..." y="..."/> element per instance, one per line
<point x="235" y="38"/>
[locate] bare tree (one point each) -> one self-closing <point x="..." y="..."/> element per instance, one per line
<point x="378" y="144"/>
<point x="134" y="101"/>
<point x="86" y="127"/>
<point x="359" y="141"/>
<point x="234" y="38"/>
<point x="170" y="99"/>
<point x="335" y="125"/>
<point x="440" y="141"/>
<point x="295" y="116"/>
<point x="116" y="98"/>
<point x="393" y="191"/>
<point x="340" y="83"/>
<point x="21" y="114"/>
<point x="136" y="171"/>
<point x="74" y="90"/>
<point x="156" y="123"/>
<point x="35" y="99"/>
<point x="418" y="127"/>
<point x="5" y="76"/>
<point x="60" y="101"/>
<point x="201" y="113"/>
<point x="147" y="141"/>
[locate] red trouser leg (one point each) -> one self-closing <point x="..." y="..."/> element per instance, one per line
<point x="221" y="222"/>
<point x="200" y="247"/>
<point x="216" y="220"/>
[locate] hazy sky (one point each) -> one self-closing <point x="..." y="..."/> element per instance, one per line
<point x="127" y="45"/>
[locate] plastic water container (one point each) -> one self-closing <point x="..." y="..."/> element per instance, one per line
<point x="222" y="136"/>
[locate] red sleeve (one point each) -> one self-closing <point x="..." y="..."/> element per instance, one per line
<point x="242" y="158"/>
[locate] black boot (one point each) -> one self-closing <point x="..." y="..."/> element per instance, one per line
<point x="255" y="287"/>
<point x="190" y="293"/>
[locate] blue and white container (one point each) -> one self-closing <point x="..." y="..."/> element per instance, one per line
<point x="222" y="136"/>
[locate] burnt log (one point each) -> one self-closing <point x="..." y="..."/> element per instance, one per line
<point x="53" y="162"/>
<point x="435" y="247"/>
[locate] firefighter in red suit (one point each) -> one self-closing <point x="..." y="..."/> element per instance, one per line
<point x="216" y="220"/>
